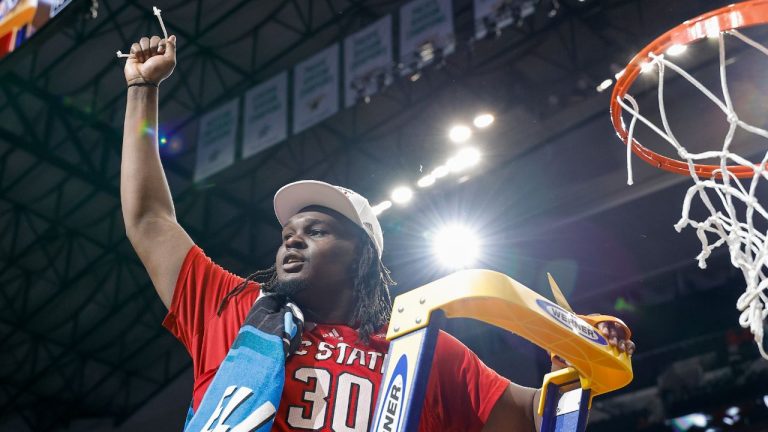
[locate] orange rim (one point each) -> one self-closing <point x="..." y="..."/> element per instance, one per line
<point x="739" y="15"/>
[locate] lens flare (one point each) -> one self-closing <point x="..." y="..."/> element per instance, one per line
<point x="456" y="246"/>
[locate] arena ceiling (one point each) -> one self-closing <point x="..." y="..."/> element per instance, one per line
<point x="79" y="321"/>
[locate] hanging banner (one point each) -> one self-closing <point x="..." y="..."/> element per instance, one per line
<point x="316" y="88"/>
<point x="216" y="140"/>
<point x="368" y="61"/>
<point x="265" y="116"/>
<point x="426" y="33"/>
<point x="57" y="6"/>
<point x="491" y="16"/>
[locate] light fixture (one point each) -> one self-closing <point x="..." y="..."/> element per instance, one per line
<point x="676" y="49"/>
<point x="402" y="194"/>
<point x="440" y="171"/>
<point x="381" y="207"/>
<point x="464" y="159"/>
<point x="483" y="120"/>
<point x="455" y="246"/>
<point x="604" y="85"/>
<point x="460" y="133"/>
<point x="554" y="8"/>
<point x="426" y="181"/>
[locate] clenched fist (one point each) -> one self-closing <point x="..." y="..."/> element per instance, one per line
<point x="151" y="60"/>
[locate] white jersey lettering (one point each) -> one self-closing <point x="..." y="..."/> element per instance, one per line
<point x="356" y="355"/>
<point x="324" y="351"/>
<point x="303" y="351"/>
<point x="373" y="359"/>
<point x="317" y="397"/>
<point x="342" y="352"/>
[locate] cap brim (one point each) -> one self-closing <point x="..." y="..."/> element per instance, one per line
<point x="294" y="197"/>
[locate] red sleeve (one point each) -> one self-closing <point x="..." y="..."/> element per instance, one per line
<point x="200" y="287"/>
<point x="462" y="390"/>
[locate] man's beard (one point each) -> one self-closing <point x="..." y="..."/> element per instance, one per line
<point x="291" y="289"/>
<point x="288" y="288"/>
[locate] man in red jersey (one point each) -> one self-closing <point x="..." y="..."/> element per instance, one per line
<point x="329" y="263"/>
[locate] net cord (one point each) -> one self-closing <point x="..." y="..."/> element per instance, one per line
<point x="156" y="12"/>
<point x="748" y="247"/>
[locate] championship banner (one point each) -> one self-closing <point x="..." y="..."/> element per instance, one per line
<point x="316" y="88"/>
<point x="368" y="61"/>
<point x="493" y="15"/>
<point x="426" y="33"/>
<point x="216" y="140"/>
<point x="265" y="116"/>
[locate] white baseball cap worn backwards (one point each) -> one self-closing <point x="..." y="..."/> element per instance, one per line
<point x="293" y="197"/>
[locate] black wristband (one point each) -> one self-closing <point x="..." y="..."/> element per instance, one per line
<point x="144" y="84"/>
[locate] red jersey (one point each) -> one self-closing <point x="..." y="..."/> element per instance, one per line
<point x="331" y="383"/>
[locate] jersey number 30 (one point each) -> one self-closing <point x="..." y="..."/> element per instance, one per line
<point x="351" y="407"/>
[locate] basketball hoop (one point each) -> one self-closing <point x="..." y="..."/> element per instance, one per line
<point x="747" y="246"/>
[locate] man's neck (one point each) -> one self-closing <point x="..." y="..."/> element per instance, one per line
<point x="341" y="311"/>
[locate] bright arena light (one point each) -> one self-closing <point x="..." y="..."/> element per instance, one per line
<point x="483" y="120"/>
<point x="460" y="133"/>
<point x="440" y="171"/>
<point x="604" y="85"/>
<point x="381" y="207"/>
<point x="426" y="181"/>
<point x="464" y="159"/>
<point x="456" y="246"/>
<point x="402" y="194"/>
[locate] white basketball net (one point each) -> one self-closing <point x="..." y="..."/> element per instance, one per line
<point x="747" y="246"/>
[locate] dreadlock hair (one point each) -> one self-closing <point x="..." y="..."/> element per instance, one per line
<point x="373" y="304"/>
<point x="371" y="285"/>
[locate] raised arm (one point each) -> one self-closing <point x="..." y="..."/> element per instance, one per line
<point x="148" y="213"/>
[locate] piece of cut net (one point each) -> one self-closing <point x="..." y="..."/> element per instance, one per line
<point x="156" y="12"/>
<point x="747" y="245"/>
